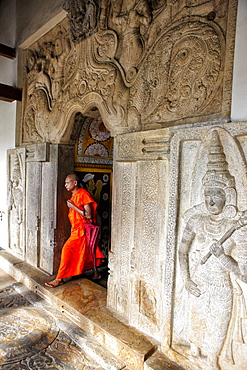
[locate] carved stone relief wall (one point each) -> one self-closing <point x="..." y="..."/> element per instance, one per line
<point x="178" y="260"/>
<point x="208" y="319"/>
<point x="36" y="182"/>
<point x="60" y="81"/>
<point x="16" y="201"/>
<point x="210" y="308"/>
<point x="137" y="256"/>
<point x="146" y="65"/>
<point x="143" y="64"/>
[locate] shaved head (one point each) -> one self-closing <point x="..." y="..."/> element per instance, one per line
<point x="72" y="183"/>
<point x="74" y="177"/>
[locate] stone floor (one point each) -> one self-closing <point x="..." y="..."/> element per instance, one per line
<point x="65" y="328"/>
<point x="34" y="336"/>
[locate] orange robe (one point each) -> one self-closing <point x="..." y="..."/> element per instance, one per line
<point x="76" y="257"/>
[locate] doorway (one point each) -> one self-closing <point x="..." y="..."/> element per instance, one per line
<point x="93" y="165"/>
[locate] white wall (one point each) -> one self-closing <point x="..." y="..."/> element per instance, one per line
<point x="7" y="141"/>
<point x="239" y="93"/>
<point x="36" y="16"/>
<point x="8" y="74"/>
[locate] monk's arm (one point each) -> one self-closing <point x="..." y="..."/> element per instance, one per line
<point x="86" y="212"/>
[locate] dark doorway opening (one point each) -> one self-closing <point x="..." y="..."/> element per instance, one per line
<point x="93" y="165"/>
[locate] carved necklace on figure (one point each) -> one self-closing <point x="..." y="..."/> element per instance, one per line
<point x="215" y="227"/>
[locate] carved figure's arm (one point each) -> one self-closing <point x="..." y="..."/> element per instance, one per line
<point x="188" y="236"/>
<point x="227" y="261"/>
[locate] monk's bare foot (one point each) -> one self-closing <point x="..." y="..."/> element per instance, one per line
<point x="96" y="275"/>
<point x="54" y="283"/>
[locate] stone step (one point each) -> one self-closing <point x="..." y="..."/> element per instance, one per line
<point x="80" y="310"/>
<point x="86" y="343"/>
<point x="84" y="303"/>
<point x="158" y="361"/>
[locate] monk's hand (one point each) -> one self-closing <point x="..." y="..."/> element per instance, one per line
<point x="216" y="249"/>
<point x="192" y="288"/>
<point x="70" y="204"/>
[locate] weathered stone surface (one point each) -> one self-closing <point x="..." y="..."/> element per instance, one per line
<point x="44" y="228"/>
<point x="211" y="278"/>
<point x="83" y="303"/>
<point x="159" y="74"/>
<point x="35" y="335"/>
<point x="150" y="64"/>
<point x="16" y="201"/>
<point x="196" y="162"/>
<point x="160" y="362"/>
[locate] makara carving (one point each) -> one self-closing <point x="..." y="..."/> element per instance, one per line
<point x="139" y="62"/>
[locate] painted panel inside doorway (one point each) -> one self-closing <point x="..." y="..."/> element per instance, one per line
<point x="93" y="165"/>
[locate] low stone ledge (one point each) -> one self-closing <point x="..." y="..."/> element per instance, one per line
<point x="158" y="361"/>
<point x="84" y="302"/>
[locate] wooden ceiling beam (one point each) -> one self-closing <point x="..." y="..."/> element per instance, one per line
<point x="7" y="51"/>
<point x="10" y="93"/>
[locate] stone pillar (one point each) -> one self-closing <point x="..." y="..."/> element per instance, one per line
<point x="36" y="155"/>
<point x="47" y="226"/>
<point x="54" y="225"/>
<point x="137" y="257"/>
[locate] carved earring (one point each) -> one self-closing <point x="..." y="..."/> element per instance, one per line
<point x="230" y="209"/>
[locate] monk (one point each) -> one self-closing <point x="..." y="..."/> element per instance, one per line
<point x="76" y="256"/>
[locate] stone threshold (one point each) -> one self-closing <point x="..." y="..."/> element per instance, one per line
<point x="83" y="303"/>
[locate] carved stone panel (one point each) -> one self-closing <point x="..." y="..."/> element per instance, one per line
<point x="208" y="319"/>
<point x="137" y="255"/>
<point x="122" y="238"/>
<point x="174" y="56"/>
<point x="34" y="171"/>
<point x="48" y="212"/>
<point x="16" y="201"/>
<point x="143" y="64"/>
<point x="62" y="78"/>
<point x="54" y="223"/>
<point x="83" y="18"/>
<point x="185" y="228"/>
<point x="36" y="156"/>
<point x="182" y="75"/>
<point x="47" y="225"/>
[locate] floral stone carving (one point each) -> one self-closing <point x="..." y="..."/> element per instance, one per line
<point x="140" y="63"/>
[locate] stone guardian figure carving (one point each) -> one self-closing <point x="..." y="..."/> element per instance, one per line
<point x="132" y="15"/>
<point x="207" y="265"/>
